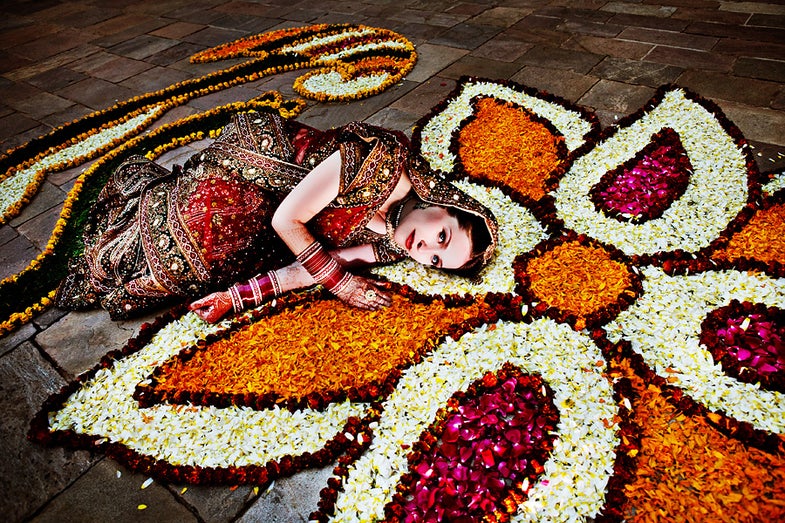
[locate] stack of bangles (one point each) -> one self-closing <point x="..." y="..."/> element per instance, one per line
<point x="324" y="269"/>
<point x="255" y="291"/>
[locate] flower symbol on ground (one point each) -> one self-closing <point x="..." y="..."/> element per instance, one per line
<point x="641" y="222"/>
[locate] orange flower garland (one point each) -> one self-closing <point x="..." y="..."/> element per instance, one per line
<point x="508" y="145"/>
<point x="687" y="467"/>
<point x="304" y="353"/>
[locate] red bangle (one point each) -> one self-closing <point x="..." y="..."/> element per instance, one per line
<point x="255" y="291"/>
<point x="324" y="268"/>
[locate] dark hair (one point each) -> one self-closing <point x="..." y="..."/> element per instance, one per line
<point x="480" y="239"/>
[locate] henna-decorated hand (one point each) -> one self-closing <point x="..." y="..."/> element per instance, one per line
<point x="212" y="307"/>
<point x="363" y="293"/>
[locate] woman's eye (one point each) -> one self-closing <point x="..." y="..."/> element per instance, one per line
<point x="434" y="260"/>
<point x="442" y="236"/>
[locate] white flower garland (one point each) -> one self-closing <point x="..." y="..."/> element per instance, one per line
<point x="581" y="463"/>
<point x="333" y="83"/>
<point x="717" y="189"/>
<point x="519" y="232"/>
<point x="13" y="188"/>
<point x="664" y="326"/>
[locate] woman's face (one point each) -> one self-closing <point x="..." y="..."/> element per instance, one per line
<point x="431" y="236"/>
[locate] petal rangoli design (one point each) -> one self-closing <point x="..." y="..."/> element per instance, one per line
<point x="616" y="260"/>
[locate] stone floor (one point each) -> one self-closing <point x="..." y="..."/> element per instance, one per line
<point x="60" y="60"/>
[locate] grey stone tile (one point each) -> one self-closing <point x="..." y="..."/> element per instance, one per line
<point x="636" y="72"/>
<point x="95" y="93"/>
<point x="79" y="340"/>
<point x="718" y="85"/>
<point x="291" y="499"/>
<point x="608" y="46"/>
<point x="39" y="229"/>
<point x="100" y="496"/>
<point x="482" y="67"/>
<point x="16" y="337"/>
<point x="142" y="46"/>
<point x="759" y="124"/>
<point x="566" y="84"/>
<point x="391" y="118"/>
<point x="47" y="197"/>
<point x="639" y="9"/>
<point x="154" y="79"/>
<point x="30" y="473"/>
<point x="221" y="504"/>
<point x="433" y="58"/>
<point x="425" y="96"/>
<point x="616" y="98"/>
<point x="557" y="58"/>
<point x="759" y="68"/>
<point x="467" y="35"/>
<point x="16" y="255"/>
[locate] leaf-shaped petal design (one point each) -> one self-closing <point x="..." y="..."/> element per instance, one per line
<point x="296" y="352"/>
<point x="437" y="134"/>
<point x="664" y="326"/>
<point x="581" y="463"/>
<point x="716" y="193"/>
<point x="104" y="407"/>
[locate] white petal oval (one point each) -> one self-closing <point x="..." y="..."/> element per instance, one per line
<point x="438" y="131"/>
<point x="581" y="463"/>
<point x="664" y="327"/>
<point x="716" y="192"/>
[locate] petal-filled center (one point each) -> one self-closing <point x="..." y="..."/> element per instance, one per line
<point x="645" y="186"/>
<point x="580" y="279"/>
<point x="489" y="445"/>
<point x="749" y="342"/>
<point x="320" y="347"/>
<point x="507" y="144"/>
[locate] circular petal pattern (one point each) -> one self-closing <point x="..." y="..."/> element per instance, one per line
<point x="716" y="193"/>
<point x="581" y="462"/>
<point x="664" y="326"/>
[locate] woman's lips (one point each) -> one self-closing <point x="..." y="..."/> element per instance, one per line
<point x="410" y="241"/>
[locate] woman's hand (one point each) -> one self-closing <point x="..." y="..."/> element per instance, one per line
<point x="212" y="307"/>
<point x="363" y="293"/>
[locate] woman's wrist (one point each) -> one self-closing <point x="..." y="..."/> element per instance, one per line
<point x="323" y="268"/>
<point x="255" y="291"/>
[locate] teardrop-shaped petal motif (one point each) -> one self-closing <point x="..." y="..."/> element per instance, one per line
<point x="519" y="232"/>
<point x="437" y="134"/>
<point x="717" y="190"/>
<point x="298" y="352"/>
<point x="664" y="326"/>
<point x="575" y="477"/>
<point x="652" y="181"/>
<point x="506" y="144"/>
<point x="231" y="437"/>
